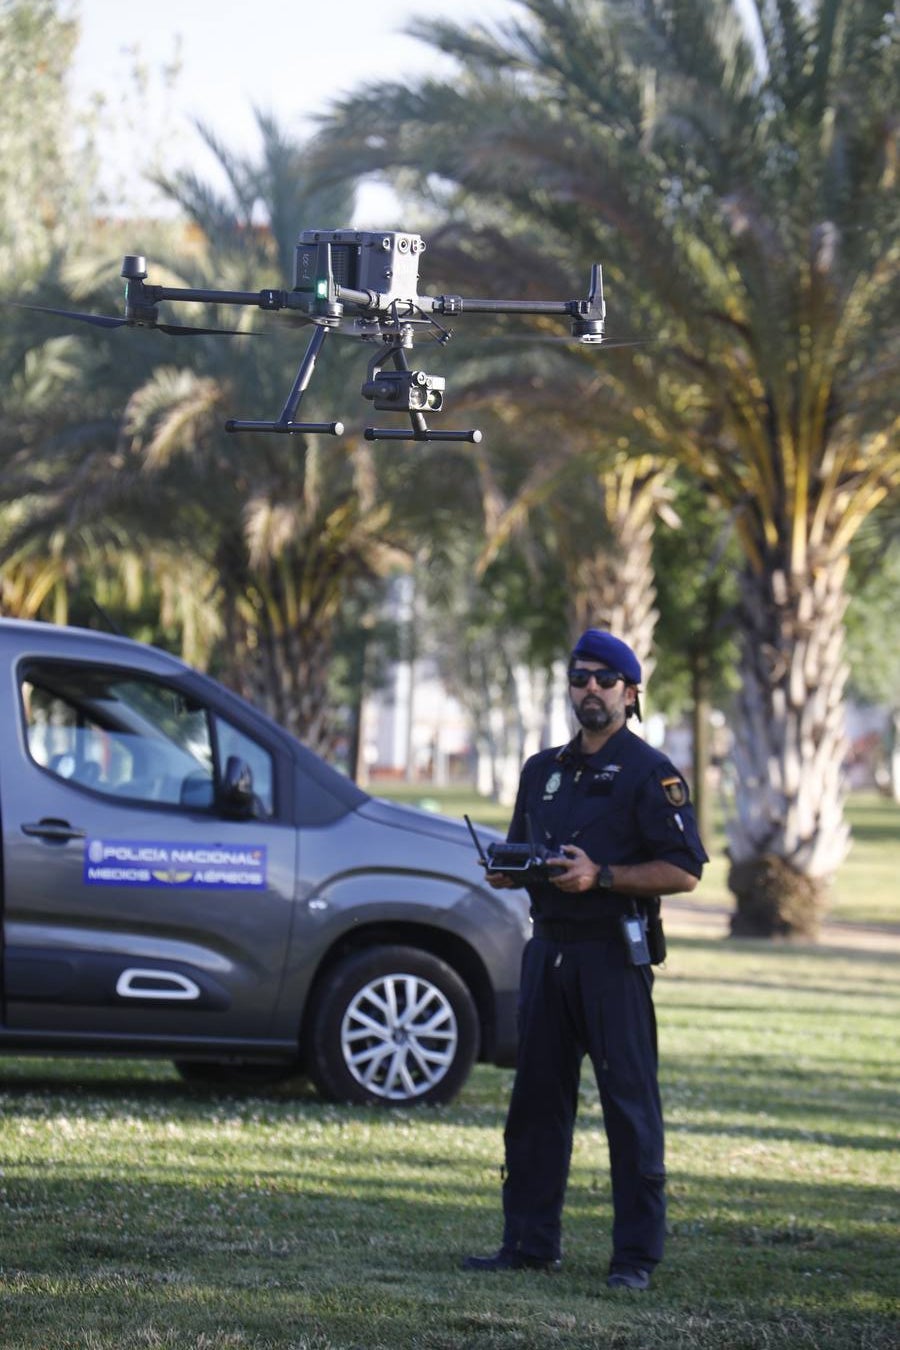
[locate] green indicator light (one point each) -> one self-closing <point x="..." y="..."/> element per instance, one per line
<point x="322" y="289"/>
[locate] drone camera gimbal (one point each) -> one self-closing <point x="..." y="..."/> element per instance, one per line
<point x="405" y="390"/>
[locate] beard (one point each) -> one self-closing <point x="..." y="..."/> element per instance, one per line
<point x="594" y="715"/>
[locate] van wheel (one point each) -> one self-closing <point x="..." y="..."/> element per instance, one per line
<point x="392" y="1025"/>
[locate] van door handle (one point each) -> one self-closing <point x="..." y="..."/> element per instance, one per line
<point x="54" y="831"/>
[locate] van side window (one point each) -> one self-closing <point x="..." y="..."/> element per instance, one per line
<point x="131" y="737"/>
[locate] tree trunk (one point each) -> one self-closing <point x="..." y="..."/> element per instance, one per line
<point x="789" y="835"/>
<point x="700" y="711"/>
<point x="614" y="589"/>
<point x="281" y="664"/>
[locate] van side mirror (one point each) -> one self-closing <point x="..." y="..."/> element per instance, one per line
<point x="236" y="793"/>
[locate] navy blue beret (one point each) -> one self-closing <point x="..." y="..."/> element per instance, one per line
<point x="596" y="645"/>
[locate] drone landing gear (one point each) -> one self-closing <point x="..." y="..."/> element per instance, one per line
<point x="285" y="424"/>
<point x="420" y="432"/>
<point x="397" y="390"/>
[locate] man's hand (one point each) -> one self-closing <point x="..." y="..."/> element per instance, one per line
<point x="576" y="872"/>
<point x="644" y="880"/>
<point x="499" y="881"/>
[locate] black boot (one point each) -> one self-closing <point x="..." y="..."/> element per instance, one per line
<point x="629" y="1278"/>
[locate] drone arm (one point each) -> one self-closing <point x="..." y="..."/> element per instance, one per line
<point x="136" y="296"/>
<point x="458" y="304"/>
<point x="587" y="315"/>
<point x="140" y="298"/>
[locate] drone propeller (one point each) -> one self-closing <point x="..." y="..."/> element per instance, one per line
<point x="110" y="321"/>
<point x="99" y="320"/>
<point x="543" y="339"/>
<point x="608" y="344"/>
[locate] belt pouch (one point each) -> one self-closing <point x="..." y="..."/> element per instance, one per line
<point x="656" y="938"/>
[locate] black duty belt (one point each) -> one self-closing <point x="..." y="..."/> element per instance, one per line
<point x="576" y="930"/>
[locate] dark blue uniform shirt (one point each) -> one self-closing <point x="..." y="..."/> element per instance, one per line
<point x="625" y="804"/>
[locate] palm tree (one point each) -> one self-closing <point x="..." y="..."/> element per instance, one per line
<point x="596" y="508"/>
<point x="551" y="470"/>
<point x="38" y="190"/>
<point x="734" y="167"/>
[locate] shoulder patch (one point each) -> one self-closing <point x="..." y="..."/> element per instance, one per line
<point x="675" y="790"/>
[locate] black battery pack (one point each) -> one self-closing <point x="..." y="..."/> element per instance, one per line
<point x="634" y="935"/>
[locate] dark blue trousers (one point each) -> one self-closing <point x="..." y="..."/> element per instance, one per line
<point x="577" y="999"/>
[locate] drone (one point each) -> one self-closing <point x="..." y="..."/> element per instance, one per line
<point x="366" y="283"/>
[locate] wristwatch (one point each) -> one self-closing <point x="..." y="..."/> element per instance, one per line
<point x="604" y="877"/>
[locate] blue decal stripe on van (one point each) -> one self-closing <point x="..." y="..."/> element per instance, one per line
<point x="123" y="862"/>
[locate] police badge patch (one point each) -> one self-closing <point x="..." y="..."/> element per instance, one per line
<point x="552" y="785"/>
<point x="675" y="790"/>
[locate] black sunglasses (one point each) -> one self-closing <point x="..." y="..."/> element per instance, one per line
<point x="604" y="679"/>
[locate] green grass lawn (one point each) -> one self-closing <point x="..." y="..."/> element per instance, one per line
<point x="135" y="1212"/>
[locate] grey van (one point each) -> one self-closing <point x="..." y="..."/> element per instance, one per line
<point x="182" y="878"/>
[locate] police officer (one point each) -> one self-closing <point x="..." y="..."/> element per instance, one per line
<point x="618" y="815"/>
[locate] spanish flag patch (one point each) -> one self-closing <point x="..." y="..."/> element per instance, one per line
<point x="675" y="790"/>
